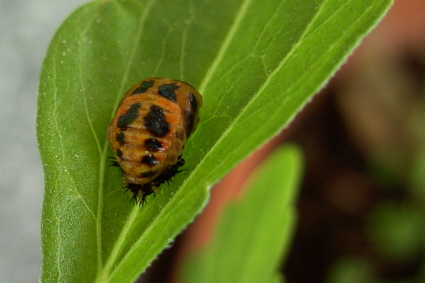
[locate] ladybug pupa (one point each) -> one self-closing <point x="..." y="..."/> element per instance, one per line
<point x="149" y="130"/>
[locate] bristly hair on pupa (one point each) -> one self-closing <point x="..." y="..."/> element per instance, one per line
<point x="141" y="192"/>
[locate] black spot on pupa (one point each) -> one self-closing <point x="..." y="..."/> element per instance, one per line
<point x="153" y="145"/>
<point x="119" y="153"/>
<point x="147" y="174"/>
<point x="193" y="102"/>
<point x="155" y="122"/>
<point x="144" y="86"/>
<point x="190" y="121"/>
<point x="191" y="115"/>
<point x="120" y="137"/>
<point x="167" y="91"/>
<point x="149" y="160"/>
<point x="128" y="116"/>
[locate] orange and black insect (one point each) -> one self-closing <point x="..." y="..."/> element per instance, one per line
<point x="148" y="133"/>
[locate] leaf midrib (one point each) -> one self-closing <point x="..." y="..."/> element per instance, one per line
<point x="103" y="272"/>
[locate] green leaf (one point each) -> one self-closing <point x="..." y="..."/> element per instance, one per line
<point x="253" y="233"/>
<point x="256" y="64"/>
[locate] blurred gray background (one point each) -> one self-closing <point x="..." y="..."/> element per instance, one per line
<point x="26" y="28"/>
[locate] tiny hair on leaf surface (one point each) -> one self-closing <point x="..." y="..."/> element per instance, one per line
<point x="256" y="65"/>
